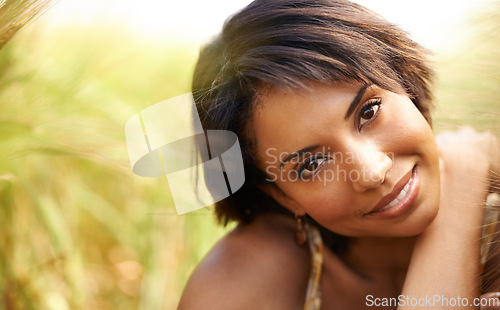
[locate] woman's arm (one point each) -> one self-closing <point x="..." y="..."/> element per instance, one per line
<point x="445" y="262"/>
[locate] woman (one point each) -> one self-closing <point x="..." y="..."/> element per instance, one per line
<point x="331" y="104"/>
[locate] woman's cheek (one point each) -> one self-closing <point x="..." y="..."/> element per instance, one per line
<point x="410" y="131"/>
<point x="326" y="206"/>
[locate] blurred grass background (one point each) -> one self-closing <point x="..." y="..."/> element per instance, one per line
<point x="468" y="76"/>
<point x="78" y="229"/>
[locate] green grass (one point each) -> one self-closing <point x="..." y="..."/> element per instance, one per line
<point x="469" y="77"/>
<point x="78" y="230"/>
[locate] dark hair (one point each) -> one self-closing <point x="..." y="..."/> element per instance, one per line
<point x="288" y="44"/>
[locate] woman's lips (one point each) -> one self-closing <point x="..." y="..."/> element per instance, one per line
<point x="401" y="197"/>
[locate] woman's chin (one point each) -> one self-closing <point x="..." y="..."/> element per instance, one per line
<point x="425" y="219"/>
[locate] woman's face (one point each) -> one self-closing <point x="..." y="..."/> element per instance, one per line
<point x="360" y="160"/>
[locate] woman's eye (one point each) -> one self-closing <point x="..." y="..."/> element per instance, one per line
<point x="368" y="112"/>
<point x="310" y="165"/>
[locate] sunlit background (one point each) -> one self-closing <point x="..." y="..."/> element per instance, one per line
<point x="434" y="23"/>
<point x="78" y="229"/>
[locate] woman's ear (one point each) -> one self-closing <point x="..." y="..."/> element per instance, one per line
<point x="282" y="198"/>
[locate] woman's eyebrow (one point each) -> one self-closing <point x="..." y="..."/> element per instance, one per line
<point x="356" y="101"/>
<point x="297" y="154"/>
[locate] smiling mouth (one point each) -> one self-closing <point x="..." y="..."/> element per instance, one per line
<point x="400" y="199"/>
<point x="402" y="194"/>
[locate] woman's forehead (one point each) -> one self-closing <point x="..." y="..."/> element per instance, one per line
<point x="282" y="119"/>
<point x="278" y="104"/>
<point x="276" y="98"/>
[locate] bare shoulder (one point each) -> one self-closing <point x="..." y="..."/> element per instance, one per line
<point x="256" y="266"/>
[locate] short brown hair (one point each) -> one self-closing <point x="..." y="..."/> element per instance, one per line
<point x="288" y="44"/>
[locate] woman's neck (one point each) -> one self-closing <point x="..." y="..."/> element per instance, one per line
<point x="380" y="259"/>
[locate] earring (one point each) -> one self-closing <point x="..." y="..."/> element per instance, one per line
<point x="300" y="234"/>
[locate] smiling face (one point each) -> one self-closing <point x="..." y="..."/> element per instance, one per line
<point x="361" y="161"/>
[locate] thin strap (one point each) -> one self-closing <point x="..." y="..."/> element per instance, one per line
<point x="491" y="217"/>
<point x="313" y="296"/>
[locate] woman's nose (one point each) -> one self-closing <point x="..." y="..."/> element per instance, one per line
<point x="370" y="169"/>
